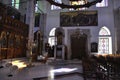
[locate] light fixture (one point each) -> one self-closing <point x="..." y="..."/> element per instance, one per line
<point x="62" y="5"/>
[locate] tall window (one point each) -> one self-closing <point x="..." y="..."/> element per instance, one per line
<point x="53" y="7"/>
<point x="104" y="3"/>
<point x="105" y="41"/>
<point x="51" y="39"/>
<point x="36" y="7"/>
<point x="78" y="2"/>
<point x="15" y="3"/>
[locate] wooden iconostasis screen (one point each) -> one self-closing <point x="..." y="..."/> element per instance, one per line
<point x="12" y="45"/>
<point x="13" y="38"/>
<point x="13" y="34"/>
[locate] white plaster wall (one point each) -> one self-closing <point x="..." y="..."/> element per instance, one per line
<point x="117" y="24"/>
<point x="52" y="21"/>
<point x="105" y="18"/>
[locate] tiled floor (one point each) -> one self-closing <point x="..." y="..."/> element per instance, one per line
<point x="52" y="70"/>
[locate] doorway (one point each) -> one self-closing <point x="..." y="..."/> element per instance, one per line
<point x="78" y="46"/>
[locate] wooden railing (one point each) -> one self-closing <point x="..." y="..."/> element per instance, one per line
<point x="109" y="65"/>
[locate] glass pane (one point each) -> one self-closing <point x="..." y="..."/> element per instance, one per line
<point x="36" y="7"/>
<point x="51" y="41"/>
<point x="52" y="32"/>
<point x="104" y="3"/>
<point x="104" y="45"/>
<point x="104" y="31"/>
<point x="53" y="7"/>
<point x="15" y="3"/>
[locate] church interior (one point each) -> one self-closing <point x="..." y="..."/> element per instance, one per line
<point x="59" y="40"/>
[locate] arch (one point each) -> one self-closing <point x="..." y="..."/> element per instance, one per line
<point x="51" y="39"/>
<point x="103" y="3"/>
<point x="104" y="31"/>
<point x="52" y="32"/>
<point x="105" y="41"/>
<point x="59" y="31"/>
<point x="54" y="7"/>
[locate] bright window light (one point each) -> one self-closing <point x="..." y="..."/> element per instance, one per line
<point x="63" y="70"/>
<point x="19" y="64"/>
<point x="104" y="3"/>
<point x="53" y="7"/>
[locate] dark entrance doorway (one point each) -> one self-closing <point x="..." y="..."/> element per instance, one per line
<point x="78" y="46"/>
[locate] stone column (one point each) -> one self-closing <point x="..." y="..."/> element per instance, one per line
<point x="30" y="19"/>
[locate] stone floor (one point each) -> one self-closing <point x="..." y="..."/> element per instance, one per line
<point x="51" y="70"/>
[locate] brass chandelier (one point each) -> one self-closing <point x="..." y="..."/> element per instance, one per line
<point x="62" y="5"/>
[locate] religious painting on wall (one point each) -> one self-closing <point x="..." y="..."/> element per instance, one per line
<point x="78" y="18"/>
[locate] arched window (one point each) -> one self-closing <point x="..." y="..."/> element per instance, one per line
<point x="104" y="31"/>
<point x="36" y="7"/>
<point x="15" y="3"/>
<point x="104" y="3"/>
<point x="53" y="7"/>
<point x="51" y="39"/>
<point x="105" y="41"/>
